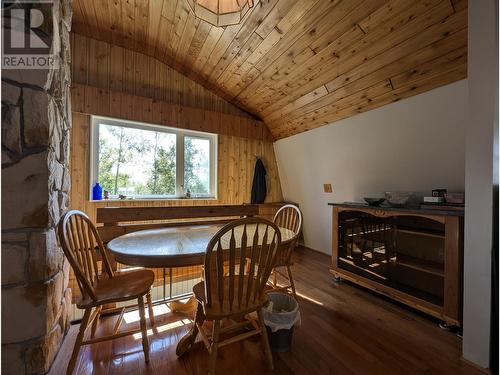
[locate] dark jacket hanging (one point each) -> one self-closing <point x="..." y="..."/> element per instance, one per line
<point x="259" y="189"/>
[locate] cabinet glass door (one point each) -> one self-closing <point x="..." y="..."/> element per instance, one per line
<point x="403" y="252"/>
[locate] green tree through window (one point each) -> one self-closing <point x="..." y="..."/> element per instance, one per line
<point x="142" y="162"/>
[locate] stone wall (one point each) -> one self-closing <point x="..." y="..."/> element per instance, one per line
<point x="36" y="124"/>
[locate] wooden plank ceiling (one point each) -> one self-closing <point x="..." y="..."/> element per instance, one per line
<point x="296" y="64"/>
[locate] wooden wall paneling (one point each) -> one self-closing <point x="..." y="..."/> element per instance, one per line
<point x="213" y="118"/>
<point x="235" y="165"/>
<point x="126" y="106"/>
<point x="142" y="108"/>
<point x="222" y="168"/>
<point x="97" y="100"/>
<point x="129" y="72"/>
<point x="186" y="118"/>
<point x="162" y="74"/>
<point x="117" y="68"/>
<point x="80" y="135"/>
<point x="157" y="115"/>
<point x="79" y="59"/>
<point x="174" y="111"/>
<point x="141" y="75"/>
<point x="229" y="172"/>
<point x="78" y="98"/>
<point x="235" y="169"/>
<point x="98" y="71"/>
<point x="243" y="183"/>
<point x="177" y="94"/>
<point x="115" y="104"/>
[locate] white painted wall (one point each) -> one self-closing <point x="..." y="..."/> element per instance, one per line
<point x="416" y="144"/>
<point x="483" y="82"/>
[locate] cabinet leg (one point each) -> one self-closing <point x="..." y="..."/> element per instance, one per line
<point x="444" y="326"/>
<point x="337" y="279"/>
<point x="447" y="326"/>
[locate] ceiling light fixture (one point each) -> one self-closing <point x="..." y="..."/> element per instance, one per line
<point x="221" y="12"/>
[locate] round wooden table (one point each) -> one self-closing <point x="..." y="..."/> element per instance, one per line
<point x="169" y="247"/>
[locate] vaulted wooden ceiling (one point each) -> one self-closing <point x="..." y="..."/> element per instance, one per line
<point x="297" y="64"/>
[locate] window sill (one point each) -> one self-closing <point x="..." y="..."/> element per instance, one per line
<point x="154" y="200"/>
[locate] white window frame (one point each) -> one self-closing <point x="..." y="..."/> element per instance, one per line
<point x="180" y="138"/>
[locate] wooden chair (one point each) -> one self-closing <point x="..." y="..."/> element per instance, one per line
<point x="238" y="262"/>
<point x="289" y="217"/>
<point x="82" y="246"/>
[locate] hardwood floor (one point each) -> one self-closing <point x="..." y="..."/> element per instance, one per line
<point x="345" y="330"/>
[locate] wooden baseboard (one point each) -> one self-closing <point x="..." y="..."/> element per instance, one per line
<point x="476" y="366"/>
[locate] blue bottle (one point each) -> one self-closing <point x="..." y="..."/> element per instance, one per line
<point x="97" y="192"/>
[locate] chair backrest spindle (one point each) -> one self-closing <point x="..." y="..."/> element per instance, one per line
<point x="238" y="262"/>
<point x="82" y="245"/>
<point x="289" y="217"/>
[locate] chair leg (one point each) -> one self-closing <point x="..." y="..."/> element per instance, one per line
<point x="150" y="311"/>
<point x="275" y="279"/>
<point x="289" y="271"/>
<point x="96" y="320"/>
<point x="187" y="341"/>
<point x="142" y="314"/>
<point x="214" y="347"/>
<point x="78" y="342"/>
<point x="265" y="341"/>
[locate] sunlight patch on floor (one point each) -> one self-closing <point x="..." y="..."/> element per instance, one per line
<point x="309" y="299"/>
<point x="133" y="316"/>
<point x="164" y="327"/>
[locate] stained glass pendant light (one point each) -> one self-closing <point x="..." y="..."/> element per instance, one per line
<point x="221" y="12"/>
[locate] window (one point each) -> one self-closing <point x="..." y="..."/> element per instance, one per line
<point x="145" y="161"/>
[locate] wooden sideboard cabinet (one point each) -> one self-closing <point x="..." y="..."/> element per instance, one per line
<point x="411" y="255"/>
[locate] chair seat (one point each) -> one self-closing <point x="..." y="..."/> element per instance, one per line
<point x="123" y="286"/>
<point x="216" y="311"/>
